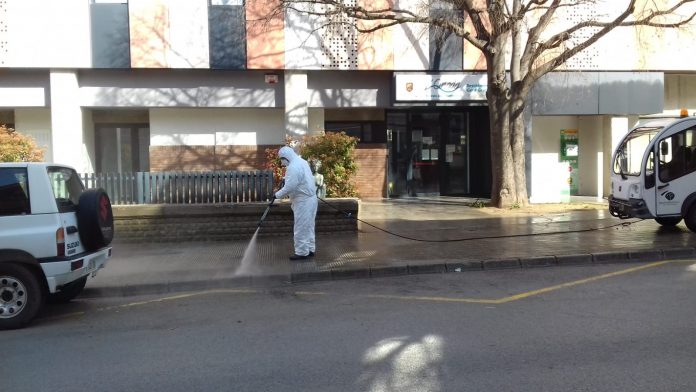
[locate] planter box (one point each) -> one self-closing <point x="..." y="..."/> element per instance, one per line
<point x="222" y="222"/>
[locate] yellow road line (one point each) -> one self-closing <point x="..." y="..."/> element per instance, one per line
<point x="579" y="282"/>
<point x="434" y="299"/>
<point x="503" y="300"/>
<point x="181" y="296"/>
<point x="526" y="294"/>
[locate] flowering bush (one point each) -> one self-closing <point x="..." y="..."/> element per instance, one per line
<point x="15" y="147"/>
<point x="335" y="152"/>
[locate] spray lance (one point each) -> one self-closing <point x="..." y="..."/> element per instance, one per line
<point x="273" y="199"/>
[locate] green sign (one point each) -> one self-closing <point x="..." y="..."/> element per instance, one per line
<point x="569" y="154"/>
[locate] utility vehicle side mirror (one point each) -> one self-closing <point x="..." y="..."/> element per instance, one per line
<point x="664" y="148"/>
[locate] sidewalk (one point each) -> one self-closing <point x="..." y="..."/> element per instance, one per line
<point x="470" y="239"/>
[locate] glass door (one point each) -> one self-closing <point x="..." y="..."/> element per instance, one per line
<point x="398" y="146"/>
<point x="424" y="162"/>
<point x="455" y="153"/>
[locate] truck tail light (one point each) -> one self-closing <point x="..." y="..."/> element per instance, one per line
<point x="60" y="242"/>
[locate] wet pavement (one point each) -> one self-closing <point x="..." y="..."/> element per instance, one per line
<point x="446" y="235"/>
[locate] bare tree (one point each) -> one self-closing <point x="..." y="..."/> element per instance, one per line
<point x="518" y="46"/>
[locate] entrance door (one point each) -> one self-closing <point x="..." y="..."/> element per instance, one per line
<point x="428" y="152"/>
<point x="426" y="137"/>
<point x="455" y="154"/>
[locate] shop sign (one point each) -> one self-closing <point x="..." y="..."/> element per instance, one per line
<point x="440" y="87"/>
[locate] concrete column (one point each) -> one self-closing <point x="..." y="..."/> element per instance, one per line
<point x="615" y="127"/>
<point x="67" y="122"/>
<point x="296" y="104"/>
<point x="316" y="121"/>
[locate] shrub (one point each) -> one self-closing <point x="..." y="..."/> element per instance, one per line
<point x="335" y="152"/>
<point x="15" y="147"/>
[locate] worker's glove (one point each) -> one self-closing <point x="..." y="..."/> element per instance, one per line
<point x="273" y="198"/>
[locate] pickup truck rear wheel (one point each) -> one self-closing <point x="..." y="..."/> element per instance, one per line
<point x="670" y="221"/>
<point x="95" y="219"/>
<point x="21" y="297"/>
<point x="68" y="292"/>
<point x="690" y="218"/>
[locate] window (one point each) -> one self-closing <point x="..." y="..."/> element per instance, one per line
<point x="677" y="155"/>
<point x="630" y="154"/>
<point x="122" y="148"/>
<point x="366" y="132"/>
<point x="14" y="192"/>
<point x="66" y="186"/>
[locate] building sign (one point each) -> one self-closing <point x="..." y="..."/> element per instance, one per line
<point x="410" y="87"/>
<point x="569" y="155"/>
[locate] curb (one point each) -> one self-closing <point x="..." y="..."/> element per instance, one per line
<point x="455" y="266"/>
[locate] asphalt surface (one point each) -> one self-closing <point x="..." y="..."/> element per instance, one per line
<point x="610" y="327"/>
<point x="444" y="235"/>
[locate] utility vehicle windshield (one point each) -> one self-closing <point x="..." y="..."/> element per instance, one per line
<point x="629" y="155"/>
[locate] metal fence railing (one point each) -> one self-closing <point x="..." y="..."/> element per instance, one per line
<point x="183" y="187"/>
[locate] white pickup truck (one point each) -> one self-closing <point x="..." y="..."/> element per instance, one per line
<point x="54" y="234"/>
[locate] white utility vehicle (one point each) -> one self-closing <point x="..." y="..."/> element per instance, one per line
<point x="654" y="173"/>
<point x="53" y="235"/>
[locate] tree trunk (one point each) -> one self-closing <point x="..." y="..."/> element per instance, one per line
<point x="517" y="141"/>
<point x="503" y="189"/>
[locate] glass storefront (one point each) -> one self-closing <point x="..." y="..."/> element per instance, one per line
<point x="431" y="150"/>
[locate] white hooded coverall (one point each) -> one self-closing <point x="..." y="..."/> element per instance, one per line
<point x="300" y="186"/>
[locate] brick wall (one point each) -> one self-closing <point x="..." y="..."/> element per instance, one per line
<point x="371" y="160"/>
<point x="182" y="158"/>
<point x="205" y="158"/>
<point x="371" y="178"/>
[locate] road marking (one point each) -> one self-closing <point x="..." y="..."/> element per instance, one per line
<point x="503" y="300"/>
<point x="526" y="294"/>
<point x="433" y="299"/>
<point x="180" y="296"/>
<point x="579" y="282"/>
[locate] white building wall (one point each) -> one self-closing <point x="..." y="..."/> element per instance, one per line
<point x="411" y="41"/>
<point x="591" y="164"/>
<point x="36" y="122"/>
<point x="296" y="104"/>
<point x="547" y="172"/>
<point x="679" y="93"/>
<point x="208" y="127"/>
<point x="188" y="34"/>
<point x="302" y="41"/>
<point x="67" y="122"/>
<point x="47" y="34"/>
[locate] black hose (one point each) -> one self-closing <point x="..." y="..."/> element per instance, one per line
<point x="350" y="216"/>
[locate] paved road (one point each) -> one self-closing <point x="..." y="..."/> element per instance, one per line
<point x="616" y="327"/>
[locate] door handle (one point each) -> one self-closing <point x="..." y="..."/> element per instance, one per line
<point x="71" y="229"/>
<point x="663" y="186"/>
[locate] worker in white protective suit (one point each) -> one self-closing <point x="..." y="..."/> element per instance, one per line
<point x="300" y="186"/>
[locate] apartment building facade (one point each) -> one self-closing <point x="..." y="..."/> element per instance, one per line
<point x="191" y="85"/>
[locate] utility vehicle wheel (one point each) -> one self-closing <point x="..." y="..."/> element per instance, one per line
<point x="690" y="218"/>
<point x="671" y="221"/>
<point x="95" y="219"/>
<point x="68" y="292"/>
<point x="20" y="296"/>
